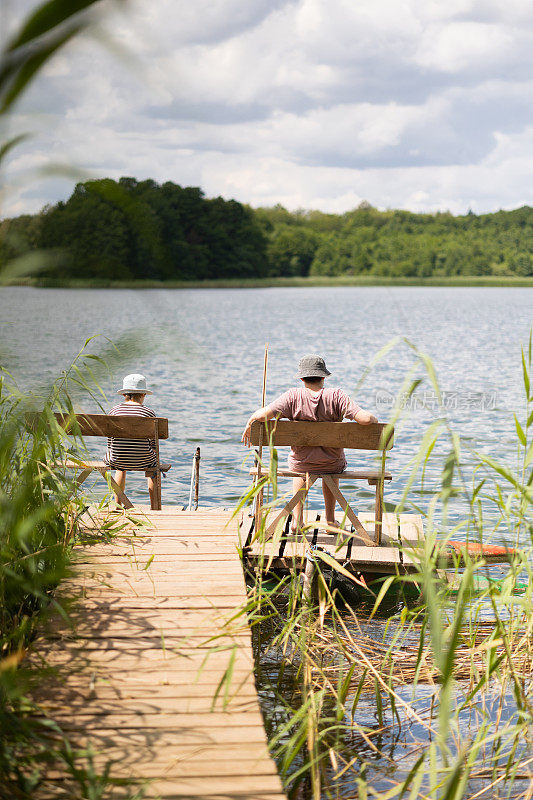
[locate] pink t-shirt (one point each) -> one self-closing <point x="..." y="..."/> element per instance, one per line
<point x="327" y="405"/>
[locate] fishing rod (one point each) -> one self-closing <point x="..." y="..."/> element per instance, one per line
<point x="259" y="451"/>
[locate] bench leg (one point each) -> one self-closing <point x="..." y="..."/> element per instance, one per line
<point x="342" y="501"/>
<point x="84" y="474"/>
<point x="155" y="504"/>
<point x="155" y="492"/>
<point x="299" y="497"/>
<point x="79" y="479"/>
<point x="116" y="488"/>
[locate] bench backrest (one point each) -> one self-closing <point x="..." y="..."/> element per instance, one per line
<point x="376" y="436"/>
<point x="119" y="427"/>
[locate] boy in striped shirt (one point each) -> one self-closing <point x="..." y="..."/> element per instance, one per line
<point x="128" y="454"/>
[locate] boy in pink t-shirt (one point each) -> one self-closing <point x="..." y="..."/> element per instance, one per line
<point x="313" y="403"/>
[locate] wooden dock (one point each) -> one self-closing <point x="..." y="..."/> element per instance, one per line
<point x="403" y="542"/>
<point x="398" y="554"/>
<point x="157" y="677"/>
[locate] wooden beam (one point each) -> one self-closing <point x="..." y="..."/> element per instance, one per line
<point x="346" y="509"/>
<point x="126" y="502"/>
<point x="369" y="475"/>
<point x="119" y="427"/>
<point x="299" y="497"/>
<point x="376" y="436"/>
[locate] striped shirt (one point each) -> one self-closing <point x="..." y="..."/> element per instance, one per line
<point x="130" y="453"/>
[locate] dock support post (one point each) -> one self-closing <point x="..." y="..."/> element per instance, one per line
<point x="195" y="480"/>
<point x="284" y="537"/>
<point x="196" y="477"/>
<point x="315" y="532"/>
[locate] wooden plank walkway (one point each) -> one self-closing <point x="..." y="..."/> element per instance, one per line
<point x="157" y="627"/>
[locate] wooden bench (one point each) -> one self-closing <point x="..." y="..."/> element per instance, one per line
<point x="376" y="436"/>
<point x="118" y="427"/>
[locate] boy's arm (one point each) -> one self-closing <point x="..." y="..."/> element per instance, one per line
<point x="364" y="417"/>
<point x="261" y="415"/>
<point x="353" y="411"/>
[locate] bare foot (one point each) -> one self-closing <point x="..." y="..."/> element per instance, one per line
<point x="296" y="531"/>
<point x="335" y="524"/>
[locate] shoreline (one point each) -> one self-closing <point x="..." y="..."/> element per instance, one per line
<point x="295" y="282"/>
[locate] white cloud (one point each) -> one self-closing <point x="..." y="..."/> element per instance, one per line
<point x="408" y="103"/>
<point x="347" y="30"/>
<point x="498" y="181"/>
<point x="202" y="21"/>
<point x="462" y="45"/>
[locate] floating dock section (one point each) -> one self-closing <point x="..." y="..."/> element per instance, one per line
<point x="398" y="553"/>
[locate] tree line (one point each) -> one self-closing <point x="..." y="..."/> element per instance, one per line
<point x="140" y="230"/>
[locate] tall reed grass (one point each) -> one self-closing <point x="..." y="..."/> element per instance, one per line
<point x="39" y="510"/>
<point x="41" y="514"/>
<point x="424" y="699"/>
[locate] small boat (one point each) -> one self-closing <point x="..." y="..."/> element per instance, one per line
<point x="488" y="552"/>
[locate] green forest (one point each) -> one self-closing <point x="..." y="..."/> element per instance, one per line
<point x="130" y="230"/>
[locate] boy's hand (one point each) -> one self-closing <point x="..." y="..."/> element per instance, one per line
<point x="245" y="438"/>
<point x="365" y="417"/>
<point x="261" y="414"/>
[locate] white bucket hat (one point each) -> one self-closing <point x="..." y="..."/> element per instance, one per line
<point x="134" y="384"/>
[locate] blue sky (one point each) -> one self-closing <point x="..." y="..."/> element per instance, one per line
<point x="418" y="104"/>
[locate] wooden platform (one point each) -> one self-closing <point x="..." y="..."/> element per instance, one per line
<point x="142" y="676"/>
<point x="400" y="552"/>
<point x="396" y="554"/>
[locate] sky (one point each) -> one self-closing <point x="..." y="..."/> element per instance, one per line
<point x="416" y="104"/>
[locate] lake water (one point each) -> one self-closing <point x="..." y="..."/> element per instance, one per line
<point x="202" y="352"/>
